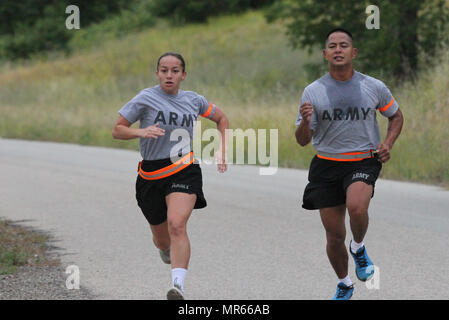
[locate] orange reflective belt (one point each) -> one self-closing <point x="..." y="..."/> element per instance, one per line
<point x="347" y="156"/>
<point x="167" y="171"/>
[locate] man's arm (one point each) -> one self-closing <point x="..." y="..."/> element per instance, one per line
<point x="303" y="133"/>
<point x="395" y="123"/>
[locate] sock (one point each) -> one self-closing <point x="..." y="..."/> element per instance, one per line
<point x="347" y="281"/>
<point x="178" y="275"/>
<point x="356" y="246"/>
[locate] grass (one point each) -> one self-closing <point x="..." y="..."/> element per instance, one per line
<point x="422" y="151"/>
<point x="21" y="246"/>
<point x="241" y="63"/>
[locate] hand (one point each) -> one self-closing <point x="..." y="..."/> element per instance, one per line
<point x="306" y="111"/>
<point x="152" y="132"/>
<point x="383" y="151"/>
<point x="221" y="161"/>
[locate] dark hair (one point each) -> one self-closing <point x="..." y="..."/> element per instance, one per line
<point x="174" y="54"/>
<point x="339" y="30"/>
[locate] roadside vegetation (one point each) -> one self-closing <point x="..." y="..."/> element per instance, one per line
<point x="20" y="246"/>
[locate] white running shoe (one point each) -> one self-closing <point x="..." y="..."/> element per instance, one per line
<point x="165" y="255"/>
<point x="175" y="293"/>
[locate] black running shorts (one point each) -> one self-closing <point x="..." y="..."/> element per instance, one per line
<point x="150" y="194"/>
<point x="329" y="180"/>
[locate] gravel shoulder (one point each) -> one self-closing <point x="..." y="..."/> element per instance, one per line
<point x="41" y="276"/>
<point x="39" y="283"/>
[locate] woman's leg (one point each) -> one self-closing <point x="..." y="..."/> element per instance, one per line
<point x="161" y="237"/>
<point x="179" y="209"/>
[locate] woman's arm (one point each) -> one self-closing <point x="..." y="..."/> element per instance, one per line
<point x="222" y="124"/>
<point x="122" y="130"/>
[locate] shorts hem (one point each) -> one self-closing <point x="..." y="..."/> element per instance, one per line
<point x="370" y="183"/>
<point x="200" y="200"/>
<point x="318" y="207"/>
<point x="158" y="223"/>
<point x="152" y="219"/>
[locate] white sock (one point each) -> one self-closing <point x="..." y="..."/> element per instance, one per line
<point x="356" y="246"/>
<point x="347" y="281"/>
<point x="178" y="275"/>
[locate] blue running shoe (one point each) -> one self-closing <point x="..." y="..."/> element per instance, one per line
<point x="344" y="292"/>
<point x="364" y="268"/>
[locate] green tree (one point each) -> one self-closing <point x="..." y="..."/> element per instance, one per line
<point x="31" y="26"/>
<point x="407" y="29"/>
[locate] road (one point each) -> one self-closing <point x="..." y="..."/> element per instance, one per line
<point x="253" y="241"/>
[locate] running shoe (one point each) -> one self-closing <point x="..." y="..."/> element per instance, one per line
<point x="364" y="268"/>
<point x="344" y="292"/>
<point x="175" y="293"/>
<point x="165" y="256"/>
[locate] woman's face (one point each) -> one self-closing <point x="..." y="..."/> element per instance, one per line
<point x="170" y="74"/>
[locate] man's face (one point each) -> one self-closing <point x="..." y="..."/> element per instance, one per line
<point x="170" y="74"/>
<point x="339" y="50"/>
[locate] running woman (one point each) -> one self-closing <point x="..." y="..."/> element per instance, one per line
<point x="338" y="114"/>
<point x="169" y="181"/>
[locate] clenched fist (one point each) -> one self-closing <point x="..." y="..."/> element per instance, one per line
<point x="383" y="151"/>
<point x="306" y="111"/>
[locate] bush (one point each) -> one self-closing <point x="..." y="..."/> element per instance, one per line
<point x="183" y="11"/>
<point x="47" y="33"/>
<point x="133" y="19"/>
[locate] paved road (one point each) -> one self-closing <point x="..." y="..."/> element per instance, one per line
<point x="253" y="241"/>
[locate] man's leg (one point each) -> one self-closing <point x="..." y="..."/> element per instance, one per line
<point x="358" y="196"/>
<point x="333" y="220"/>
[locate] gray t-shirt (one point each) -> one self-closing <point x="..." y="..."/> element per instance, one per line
<point x="153" y="105"/>
<point x="344" y="117"/>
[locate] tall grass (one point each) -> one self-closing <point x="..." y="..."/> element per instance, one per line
<point x="422" y="151"/>
<point x="241" y="63"/>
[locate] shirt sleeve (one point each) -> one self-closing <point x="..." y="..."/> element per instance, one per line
<point x="206" y="108"/>
<point x="132" y="111"/>
<point x="387" y="103"/>
<point x="306" y="97"/>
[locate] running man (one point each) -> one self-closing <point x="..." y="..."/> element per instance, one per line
<point x="338" y="114"/>
<point x="169" y="181"/>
